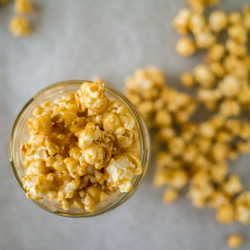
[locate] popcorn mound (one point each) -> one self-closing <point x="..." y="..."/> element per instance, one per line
<point x="82" y="148"/>
<point x="193" y="154"/>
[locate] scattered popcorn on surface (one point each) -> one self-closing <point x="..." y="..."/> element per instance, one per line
<point x="20" y="26"/>
<point x="82" y="148"/>
<point x="234" y="241"/>
<point x="196" y="154"/>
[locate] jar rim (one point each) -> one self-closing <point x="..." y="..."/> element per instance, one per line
<point x="144" y="145"/>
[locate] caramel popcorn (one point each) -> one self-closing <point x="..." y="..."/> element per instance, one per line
<point x="159" y="104"/>
<point x="225" y="214"/>
<point x="170" y="195"/>
<point x="20" y="26"/>
<point x="187" y="80"/>
<point x="195" y="154"/>
<point x="217" y="21"/>
<point x="234" y="17"/>
<point x="23" y="7"/>
<point x="181" y="21"/>
<point x="242" y="204"/>
<point x="203" y="75"/>
<point x="185" y="47"/>
<point x="216" y="52"/>
<point x="234" y="241"/>
<point x="82" y="148"/>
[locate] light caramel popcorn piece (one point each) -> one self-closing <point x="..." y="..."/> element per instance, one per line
<point x="94" y="98"/>
<point x="242" y="204"/>
<point x="181" y="21"/>
<point x="218" y="199"/>
<point x="20" y="26"/>
<point x="233" y="185"/>
<point x="216" y="52"/>
<point x="218" y="70"/>
<point x="234" y="17"/>
<point x="187" y="80"/>
<point x="238" y="33"/>
<point x="217" y="21"/>
<point x="230" y="86"/>
<point x="121" y="170"/>
<point x="205" y="39"/>
<point x="235" y="48"/>
<point x="230" y="108"/>
<point x="234" y="241"/>
<point x="170" y="195"/>
<point x="203" y="75"/>
<point x="225" y="214"/>
<point x="23" y="7"/>
<point x="185" y="47"/>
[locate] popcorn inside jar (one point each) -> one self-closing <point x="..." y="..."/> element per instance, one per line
<point x="83" y="149"/>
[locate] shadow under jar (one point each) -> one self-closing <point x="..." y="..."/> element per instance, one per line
<point x="19" y="135"/>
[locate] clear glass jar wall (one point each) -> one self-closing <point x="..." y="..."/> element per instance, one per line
<point x="19" y="135"/>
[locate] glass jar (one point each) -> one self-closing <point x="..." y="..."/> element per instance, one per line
<point x="19" y="135"/>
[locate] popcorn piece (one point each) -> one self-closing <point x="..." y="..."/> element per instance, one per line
<point x="203" y="75"/>
<point x="121" y="170"/>
<point x="217" y="21"/>
<point x="20" y="26"/>
<point x="185" y="47"/>
<point x="235" y="48"/>
<point x="238" y="33"/>
<point x="218" y="199"/>
<point x="230" y="108"/>
<point x="170" y="195"/>
<point x="197" y="23"/>
<point x="242" y="204"/>
<point x="233" y="185"/>
<point x="217" y="69"/>
<point x="216" y="52"/>
<point x="234" y="241"/>
<point x="187" y="80"/>
<point x="23" y="7"/>
<point x="180" y="22"/>
<point x="229" y="86"/>
<point x="38" y="186"/>
<point x="205" y="39"/>
<point x="94" y="98"/>
<point x="234" y="18"/>
<point x="225" y="214"/>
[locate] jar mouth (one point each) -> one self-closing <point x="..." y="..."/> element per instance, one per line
<point x="21" y="122"/>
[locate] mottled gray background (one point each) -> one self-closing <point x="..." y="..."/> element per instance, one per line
<point x="81" y="39"/>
